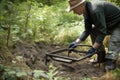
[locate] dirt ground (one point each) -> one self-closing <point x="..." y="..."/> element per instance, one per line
<point x="34" y="56"/>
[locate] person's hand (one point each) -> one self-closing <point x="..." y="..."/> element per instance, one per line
<point x="90" y="51"/>
<point x="72" y="45"/>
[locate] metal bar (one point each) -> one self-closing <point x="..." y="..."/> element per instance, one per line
<point x="84" y="45"/>
<point x="53" y="55"/>
<point x="58" y="51"/>
<point x="87" y="56"/>
<point x="64" y="57"/>
<point x="66" y="61"/>
<point x="68" y="58"/>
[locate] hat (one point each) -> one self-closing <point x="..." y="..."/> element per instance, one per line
<point x="73" y="4"/>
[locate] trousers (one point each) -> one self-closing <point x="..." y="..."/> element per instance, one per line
<point x="113" y="45"/>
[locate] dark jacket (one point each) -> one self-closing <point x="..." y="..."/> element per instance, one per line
<point x="103" y="15"/>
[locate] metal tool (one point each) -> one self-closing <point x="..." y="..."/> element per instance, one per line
<point x="56" y="55"/>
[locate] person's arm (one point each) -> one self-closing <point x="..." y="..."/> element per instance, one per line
<point x="101" y="25"/>
<point x="87" y="31"/>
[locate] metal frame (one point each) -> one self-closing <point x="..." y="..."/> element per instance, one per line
<point x="67" y="59"/>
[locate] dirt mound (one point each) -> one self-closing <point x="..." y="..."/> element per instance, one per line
<point x="79" y="70"/>
<point x="34" y="56"/>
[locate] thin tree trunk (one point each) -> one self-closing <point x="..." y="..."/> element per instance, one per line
<point x="49" y="2"/>
<point x="34" y="32"/>
<point x="27" y="18"/>
<point x="8" y="35"/>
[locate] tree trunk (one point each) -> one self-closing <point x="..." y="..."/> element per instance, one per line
<point x="27" y="18"/>
<point x="49" y="2"/>
<point x="8" y="35"/>
<point x="34" y="32"/>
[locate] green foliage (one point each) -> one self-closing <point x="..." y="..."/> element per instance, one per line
<point x="117" y="2"/>
<point x="85" y="78"/>
<point x="52" y="72"/>
<point x="7" y="19"/>
<point x="49" y="2"/>
<point x="7" y="73"/>
<point x="29" y="21"/>
<point x="2" y="68"/>
<point x="69" y="34"/>
<point x="117" y="73"/>
<point x="4" y="75"/>
<point x="9" y="76"/>
<point x="20" y="74"/>
<point x="51" y="75"/>
<point x="2" y="38"/>
<point x="39" y="74"/>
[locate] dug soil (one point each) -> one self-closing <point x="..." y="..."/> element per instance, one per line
<point x="34" y="56"/>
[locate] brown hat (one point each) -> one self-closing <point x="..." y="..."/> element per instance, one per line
<point x="73" y="4"/>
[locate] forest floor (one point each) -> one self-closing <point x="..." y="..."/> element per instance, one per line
<point x="34" y="57"/>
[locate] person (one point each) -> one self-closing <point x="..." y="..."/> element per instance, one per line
<point x="101" y="18"/>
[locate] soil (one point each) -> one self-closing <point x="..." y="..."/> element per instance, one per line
<point x="34" y="56"/>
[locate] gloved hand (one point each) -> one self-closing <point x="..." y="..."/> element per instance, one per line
<point x="72" y="45"/>
<point x="90" y="51"/>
